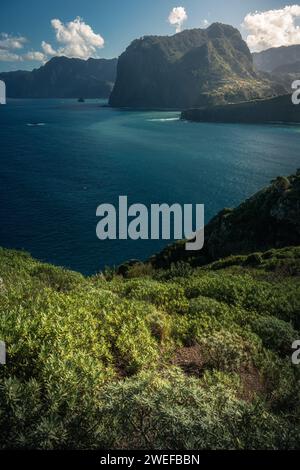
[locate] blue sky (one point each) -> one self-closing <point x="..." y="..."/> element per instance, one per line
<point x="118" y="22"/>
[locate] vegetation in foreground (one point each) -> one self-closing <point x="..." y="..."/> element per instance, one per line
<point x="181" y="358"/>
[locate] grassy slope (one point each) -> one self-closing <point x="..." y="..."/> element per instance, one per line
<point x="178" y="358"/>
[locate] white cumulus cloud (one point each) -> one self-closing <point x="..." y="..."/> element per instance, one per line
<point x="8" y="42"/>
<point x="35" y="56"/>
<point x="10" y="46"/>
<point x="48" y="49"/>
<point x="10" y="49"/>
<point x="273" y="28"/>
<point x="177" y="17"/>
<point x="75" y="39"/>
<point x="6" y="56"/>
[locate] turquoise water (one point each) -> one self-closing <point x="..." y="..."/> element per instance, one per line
<point x="54" y="175"/>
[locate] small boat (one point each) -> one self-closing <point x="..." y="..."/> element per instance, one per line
<point x="80" y="100"/>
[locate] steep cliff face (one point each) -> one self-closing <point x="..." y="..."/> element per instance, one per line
<point x="63" y="78"/>
<point x="192" y="68"/>
<point x="269" y="219"/>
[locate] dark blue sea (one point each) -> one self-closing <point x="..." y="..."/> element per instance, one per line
<point x="55" y="174"/>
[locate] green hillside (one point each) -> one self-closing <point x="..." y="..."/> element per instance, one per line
<point x="268" y="219"/>
<point x="179" y="358"/>
<point x="177" y="353"/>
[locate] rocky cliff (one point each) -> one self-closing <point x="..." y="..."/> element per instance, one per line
<point x="192" y="68"/>
<point x="269" y="219"/>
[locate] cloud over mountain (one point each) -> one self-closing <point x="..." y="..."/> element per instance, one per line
<point x="177" y="17"/>
<point x="76" y="39"/>
<point x="273" y="28"/>
<point x="9" y="47"/>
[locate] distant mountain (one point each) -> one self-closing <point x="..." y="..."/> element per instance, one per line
<point x="290" y="68"/>
<point x="193" y="68"/>
<point x="278" y="109"/>
<point x="62" y="77"/>
<point x="276" y="58"/>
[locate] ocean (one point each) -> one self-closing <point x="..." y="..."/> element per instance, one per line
<point x="61" y="159"/>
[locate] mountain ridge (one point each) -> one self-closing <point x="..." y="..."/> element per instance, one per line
<point x="62" y="77"/>
<point x="274" y="57"/>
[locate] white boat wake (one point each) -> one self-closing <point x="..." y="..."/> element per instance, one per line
<point x="164" y="119"/>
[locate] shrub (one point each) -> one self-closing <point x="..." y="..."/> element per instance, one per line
<point x="276" y="334"/>
<point x="177" y="270"/>
<point x="58" y="279"/>
<point x="226" y="351"/>
<point x="172" y="411"/>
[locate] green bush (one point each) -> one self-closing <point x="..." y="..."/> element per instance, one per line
<point x="173" y="412"/>
<point x="57" y="278"/>
<point x="276" y="334"/>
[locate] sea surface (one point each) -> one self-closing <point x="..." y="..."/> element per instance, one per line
<point x="60" y="159"/>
